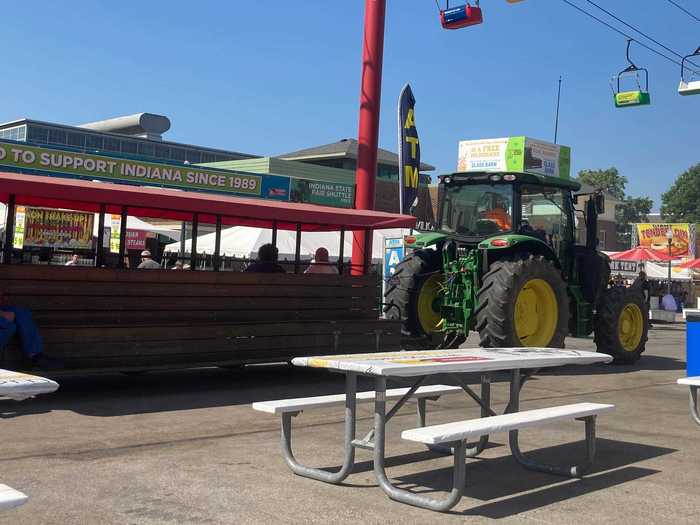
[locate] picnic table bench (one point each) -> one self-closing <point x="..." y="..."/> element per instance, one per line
<point x="98" y="318"/>
<point x="693" y="383"/>
<point x="18" y="386"/>
<point x="520" y="363"/>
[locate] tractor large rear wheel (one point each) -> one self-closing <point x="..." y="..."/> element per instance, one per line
<point x="414" y="296"/>
<point x="522" y="302"/>
<point x="622" y="324"/>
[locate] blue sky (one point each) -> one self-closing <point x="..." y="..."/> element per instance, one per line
<point x="276" y="76"/>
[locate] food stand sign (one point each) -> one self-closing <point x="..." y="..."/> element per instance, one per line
<point x="115" y="233"/>
<point x="653" y="235"/>
<point x="48" y="228"/>
<point x="517" y="154"/>
<point x="18" y="239"/>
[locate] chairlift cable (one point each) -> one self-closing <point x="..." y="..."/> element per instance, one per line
<point x="625" y="34"/>
<point x="691" y="15"/>
<point x="633" y="28"/>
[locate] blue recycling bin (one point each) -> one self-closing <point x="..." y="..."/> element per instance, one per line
<point x="692" y="344"/>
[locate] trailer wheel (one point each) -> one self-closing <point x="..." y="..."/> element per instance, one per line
<point x="414" y="296"/>
<point x="622" y="324"/>
<point x="522" y="302"/>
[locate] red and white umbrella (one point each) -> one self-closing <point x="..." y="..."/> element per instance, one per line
<point x="640" y="254"/>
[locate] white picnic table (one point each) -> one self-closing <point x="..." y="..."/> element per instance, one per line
<point x="19" y="386"/>
<point x="521" y="363"/>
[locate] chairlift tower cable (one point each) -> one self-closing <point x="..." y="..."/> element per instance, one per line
<point x="609" y="26"/>
<point x="691" y="15"/>
<point x="633" y="28"/>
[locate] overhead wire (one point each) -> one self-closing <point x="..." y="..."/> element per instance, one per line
<point x="691" y="15"/>
<point x="633" y="28"/>
<point x="625" y="35"/>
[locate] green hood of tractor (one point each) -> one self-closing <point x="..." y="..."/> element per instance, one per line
<point x="423" y="240"/>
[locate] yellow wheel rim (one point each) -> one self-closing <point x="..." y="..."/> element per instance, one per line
<point x="630" y="327"/>
<point x="536" y="313"/>
<point x="428" y="304"/>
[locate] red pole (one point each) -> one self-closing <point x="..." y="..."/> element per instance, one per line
<point x="368" y="136"/>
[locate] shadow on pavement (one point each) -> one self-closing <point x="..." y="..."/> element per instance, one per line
<point x="502" y="477"/>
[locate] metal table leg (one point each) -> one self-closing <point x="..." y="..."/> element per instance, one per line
<point x="693" y="400"/>
<point x="402" y="495"/>
<point x="572" y="471"/>
<point x="350" y="421"/>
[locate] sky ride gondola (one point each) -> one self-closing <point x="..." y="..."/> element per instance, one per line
<point x="691" y="87"/>
<point x="637" y="97"/>
<point x="461" y="16"/>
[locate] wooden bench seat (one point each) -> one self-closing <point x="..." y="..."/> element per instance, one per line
<point x="92" y="318"/>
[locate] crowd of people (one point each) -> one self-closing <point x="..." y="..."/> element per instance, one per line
<point x="672" y="300"/>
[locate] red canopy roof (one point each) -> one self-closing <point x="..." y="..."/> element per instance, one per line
<point x="641" y="254"/>
<point x="142" y="201"/>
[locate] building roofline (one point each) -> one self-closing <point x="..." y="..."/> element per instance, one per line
<point x="19" y="122"/>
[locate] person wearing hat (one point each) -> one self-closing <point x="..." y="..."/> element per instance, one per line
<point x="147" y="262"/>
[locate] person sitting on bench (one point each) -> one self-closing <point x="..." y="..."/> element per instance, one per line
<point x="267" y="261"/>
<point x="19" y="321"/>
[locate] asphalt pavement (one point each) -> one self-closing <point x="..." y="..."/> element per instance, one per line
<point x="185" y="447"/>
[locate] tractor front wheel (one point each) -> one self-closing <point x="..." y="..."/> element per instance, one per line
<point x="523" y="302"/>
<point x="621" y="324"/>
<point x="414" y="296"/>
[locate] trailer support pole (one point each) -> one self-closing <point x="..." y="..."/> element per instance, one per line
<point x="9" y="231"/>
<point x="341" y="251"/>
<point x="99" y="252"/>
<point x="193" y="250"/>
<point x="297" y="251"/>
<point x="217" y="245"/>
<point x="122" y="238"/>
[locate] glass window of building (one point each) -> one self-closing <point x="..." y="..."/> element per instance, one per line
<point x="57" y="136"/>
<point x="76" y="139"/>
<point x="147" y="149"/>
<point x="93" y="142"/>
<point x="177" y="154"/>
<point x="193" y="156"/>
<point x="112" y="144"/>
<point x="163" y="152"/>
<point x="38" y="134"/>
<point x="129" y="147"/>
<point x="22" y="133"/>
<point x="207" y="157"/>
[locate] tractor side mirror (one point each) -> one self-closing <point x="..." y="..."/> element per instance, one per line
<point x="599" y="203"/>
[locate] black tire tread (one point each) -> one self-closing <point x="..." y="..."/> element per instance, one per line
<point x="606" y="321"/>
<point x="497" y="294"/>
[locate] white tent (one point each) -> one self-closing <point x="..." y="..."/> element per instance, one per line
<point x="244" y="241"/>
<point x="134" y="223"/>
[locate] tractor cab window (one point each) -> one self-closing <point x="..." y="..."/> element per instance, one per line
<point x="543" y="215"/>
<point x="478" y="210"/>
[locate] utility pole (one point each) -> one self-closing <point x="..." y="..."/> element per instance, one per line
<point x="368" y="135"/>
<point x="556" y="119"/>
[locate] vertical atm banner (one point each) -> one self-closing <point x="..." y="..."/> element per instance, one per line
<point x="409" y="152"/>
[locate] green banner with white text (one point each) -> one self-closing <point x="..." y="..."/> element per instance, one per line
<point x="102" y="167"/>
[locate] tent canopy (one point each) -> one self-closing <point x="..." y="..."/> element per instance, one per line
<point x="242" y="241"/>
<point x="143" y="201"/>
<point x="641" y="254"/>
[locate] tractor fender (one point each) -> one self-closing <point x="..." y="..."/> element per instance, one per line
<point x="505" y="245"/>
<point x="424" y="240"/>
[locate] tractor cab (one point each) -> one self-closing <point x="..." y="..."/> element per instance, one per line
<point x="501" y="210"/>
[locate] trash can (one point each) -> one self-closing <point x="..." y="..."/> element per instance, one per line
<point x="692" y="344"/>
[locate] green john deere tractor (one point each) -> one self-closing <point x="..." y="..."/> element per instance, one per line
<point x="505" y="263"/>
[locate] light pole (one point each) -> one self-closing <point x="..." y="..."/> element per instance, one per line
<point x="669" y="238"/>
